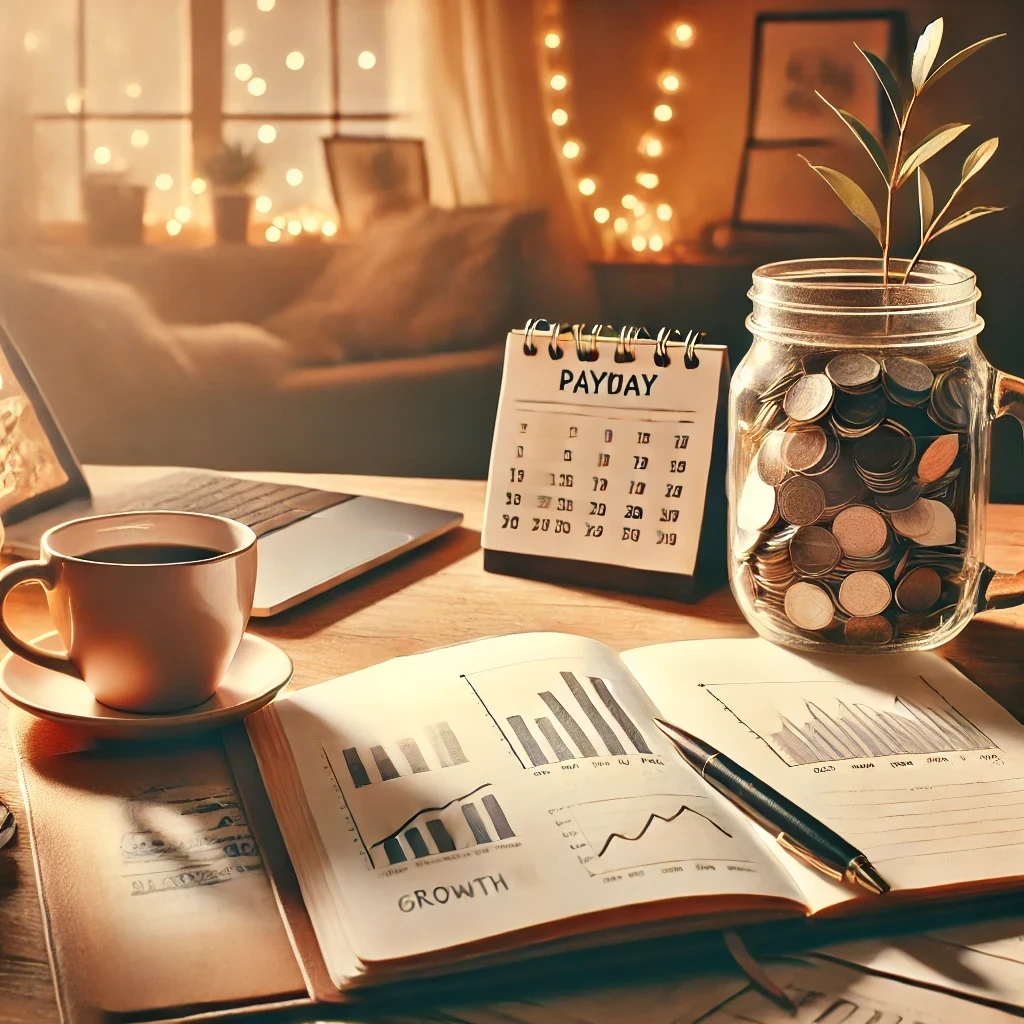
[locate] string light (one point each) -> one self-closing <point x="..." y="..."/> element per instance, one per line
<point x="74" y="103"/>
<point x="629" y="200"/>
<point x="639" y="210"/>
<point x="198" y="186"/>
<point x="587" y="186"/>
<point x="102" y="155"/>
<point x="552" y="40"/>
<point x="647" y="179"/>
<point x="295" y="227"/>
<point x="639" y="243"/>
<point x="293" y="176"/>
<point x="31" y="42"/>
<point x="263" y="204"/>
<point x="273" y="233"/>
<point x="173" y="227"/>
<point x="279" y="221"/>
<point x="366" y="60"/>
<point x="266" y="133"/>
<point x="243" y="72"/>
<point x="164" y="182"/>
<point x="183" y="213"/>
<point x="140" y="138"/>
<point x="663" y="212"/>
<point x="571" y="149"/>
<point x="652" y="146"/>
<point x="601" y="215"/>
<point x="329" y="228"/>
<point x="265" y="5"/>
<point x="294" y="60"/>
<point x="310" y="223"/>
<point x="257" y="86"/>
<point x="559" y="82"/>
<point x="133" y="90"/>
<point x="663" y="112"/>
<point x="682" y="34"/>
<point x="236" y="36"/>
<point x="656" y="243"/>
<point x="620" y="225"/>
<point x="669" y="82"/>
<point x="559" y="117"/>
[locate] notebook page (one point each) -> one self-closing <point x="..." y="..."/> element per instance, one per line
<point x="903" y="756"/>
<point x="501" y="784"/>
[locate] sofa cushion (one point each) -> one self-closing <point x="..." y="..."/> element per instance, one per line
<point x="227" y="354"/>
<point x="426" y="281"/>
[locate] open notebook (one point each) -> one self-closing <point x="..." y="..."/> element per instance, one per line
<point x="511" y="797"/>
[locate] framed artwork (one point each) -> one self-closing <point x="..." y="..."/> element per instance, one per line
<point x="375" y="176"/>
<point x="797" y="54"/>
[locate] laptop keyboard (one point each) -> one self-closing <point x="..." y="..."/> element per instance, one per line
<point x="261" y="506"/>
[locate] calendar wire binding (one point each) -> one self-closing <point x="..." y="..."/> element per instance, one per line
<point x="625" y="342"/>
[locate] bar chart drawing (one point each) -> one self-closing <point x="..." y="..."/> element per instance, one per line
<point x="575" y="717"/>
<point x="813" y="722"/>
<point x="439" y="747"/>
<point x="473" y="819"/>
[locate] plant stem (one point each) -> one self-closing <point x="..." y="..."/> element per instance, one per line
<point x="891" y="192"/>
<point x="931" y="231"/>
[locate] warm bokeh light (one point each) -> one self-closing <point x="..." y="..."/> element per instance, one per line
<point x="664" y="211"/>
<point x="273" y="233"/>
<point x="310" y="223"/>
<point x="243" y="72"/>
<point x="571" y="149"/>
<point x="652" y="146"/>
<point x="31" y="42"/>
<point x="663" y="112"/>
<point x="559" y="82"/>
<point x="173" y="227"/>
<point x="647" y="179"/>
<point x="183" y="213"/>
<point x="198" y="186"/>
<point x="601" y="215"/>
<point x="670" y="82"/>
<point x="264" y="204"/>
<point x="279" y="221"/>
<point x="552" y="40"/>
<point x="294" y="60"/>
<point x="639" y="243"/>
<point x="629" y="200"/>
<point x="257" y="86"/>
<point x="266" y="133"/>
<point x="587" y="186"/>
<point x="236" y="37"/>
<point x="366" y="60"/>
<point x="683" y="34"/>
<point x="140" y="138"/>
<point x="620" y="225"/>
<point x="656" y="243"/>
<point x="639" y="210"/>
<point x="102" y="155"/>
<point x="164" y="182"/>
<point x="295" y="227"/>
<point x="294" y="176"/>
<point x="329" y="228"/>
<point x="74" y="103"/>
<point x="559" y="116"/>
<point x="265" y="5"/>
<point x="133" y="90"/>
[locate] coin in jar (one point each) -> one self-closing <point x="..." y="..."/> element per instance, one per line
<point x="873" y="630"/>
<point x="809" y="606"/>
<point x="771" y="467"/>
<point x="915" y="521"/>
<point x="814" y="551"/>
<point x="809" y="398"/>
<point x="919" y="589"/>
<point x="801" y="501"/>
<point x="803" y="449"/>
<point x="938" y="458"/>
<point x="853" y="371"/>
<point x="757" y="509"/>
<point x="861" y="531"/>
<point x="907" y="381"/>
<point x="865" y="593"/>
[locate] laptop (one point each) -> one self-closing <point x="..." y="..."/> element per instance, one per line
<point x="308" y="540"/>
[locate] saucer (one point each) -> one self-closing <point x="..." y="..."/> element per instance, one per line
<point x="258" y="671"/>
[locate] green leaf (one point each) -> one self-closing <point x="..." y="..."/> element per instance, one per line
<point x="855" y="198"/>
<point x="888" y="82"/>
<point x="863" y="136"/>
<point x="931" y="144"/>
<point x="978" y="158"/>
<point x="925" y="201"/>
<point x="925" y="52"/>
<point x="958" y="58"/>
<point x="964" y="218"/>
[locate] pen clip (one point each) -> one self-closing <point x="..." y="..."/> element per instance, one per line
<point x="790" y="845"/>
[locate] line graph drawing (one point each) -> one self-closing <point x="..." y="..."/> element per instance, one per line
<point x="619" y="833"/>
<point x="835" y="720"/>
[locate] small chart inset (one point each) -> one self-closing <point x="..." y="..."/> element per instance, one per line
<point x="473" y="819"/>
<point x="439" y="748"/>
<point x="834" y="720"/>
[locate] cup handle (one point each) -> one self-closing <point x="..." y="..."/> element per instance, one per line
<point x="14" y="576"/>
<point x="1003" y="589"/>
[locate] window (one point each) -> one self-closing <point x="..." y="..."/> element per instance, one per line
<point x="145" y="89"/>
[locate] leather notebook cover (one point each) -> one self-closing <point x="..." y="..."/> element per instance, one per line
<point x="157" y="901"/>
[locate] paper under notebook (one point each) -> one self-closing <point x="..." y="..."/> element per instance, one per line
<point x="512" y="797"/>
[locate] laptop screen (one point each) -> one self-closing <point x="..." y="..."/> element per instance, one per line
<point x="37" y="469"/>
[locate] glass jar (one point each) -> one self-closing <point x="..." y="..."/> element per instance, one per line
<point x="859" y="457"/>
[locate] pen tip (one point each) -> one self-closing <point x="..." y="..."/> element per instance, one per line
<point x="867" y="877"/>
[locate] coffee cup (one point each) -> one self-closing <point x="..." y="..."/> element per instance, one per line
<point x="150" y="606"/>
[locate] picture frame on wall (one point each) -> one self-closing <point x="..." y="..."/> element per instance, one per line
<point x="797" y="55"/>
<point x="374" y="176"/>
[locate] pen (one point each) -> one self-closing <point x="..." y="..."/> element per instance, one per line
<point x="796" y="831"/>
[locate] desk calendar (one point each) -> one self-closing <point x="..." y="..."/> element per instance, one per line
<point x="602" y="456"/>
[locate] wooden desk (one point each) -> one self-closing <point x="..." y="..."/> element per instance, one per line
<point x="441" y="595"/>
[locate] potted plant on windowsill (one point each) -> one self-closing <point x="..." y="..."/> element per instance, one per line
<point x="231" y="171"/>
<point x="859" y="419"/>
